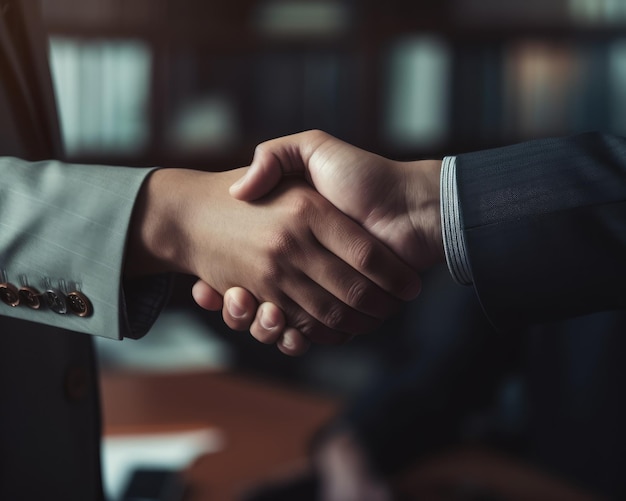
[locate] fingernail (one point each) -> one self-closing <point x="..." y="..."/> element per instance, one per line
<point x="266" y="322"/>
<point x="235" y="309"/>
<point x="287" y="342"/>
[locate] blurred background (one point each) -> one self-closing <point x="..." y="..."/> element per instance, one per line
<point x="193" y="82"/>
<point x="198" y="83"/>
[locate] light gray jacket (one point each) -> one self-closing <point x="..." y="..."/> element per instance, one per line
<point x="66" y="225"/>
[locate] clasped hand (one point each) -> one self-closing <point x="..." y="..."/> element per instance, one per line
<point x="306" y="284"/>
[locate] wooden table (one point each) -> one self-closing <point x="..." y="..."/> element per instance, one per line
<point x="266" y="427"/>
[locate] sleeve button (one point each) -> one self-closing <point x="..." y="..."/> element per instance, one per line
<point x="30" y="297"/>
<point x="79" y="304"/>
<point x="56" y="301"/>
<point x="9" y="294"/>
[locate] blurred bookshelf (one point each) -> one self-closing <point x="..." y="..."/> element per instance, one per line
<point x="200" y="83"/>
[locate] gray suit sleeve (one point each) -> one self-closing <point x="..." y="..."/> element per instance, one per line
<point x="65" y="226"/>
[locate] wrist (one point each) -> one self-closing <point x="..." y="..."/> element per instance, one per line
<point x="156" y="238"/>
<point x="422" y="185"/>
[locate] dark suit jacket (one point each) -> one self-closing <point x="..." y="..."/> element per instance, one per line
<point x="545" y="225"/>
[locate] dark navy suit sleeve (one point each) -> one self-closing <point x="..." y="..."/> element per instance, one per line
<point x="545" y="226"/>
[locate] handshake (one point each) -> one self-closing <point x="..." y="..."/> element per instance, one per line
<point x="316" y="241"/>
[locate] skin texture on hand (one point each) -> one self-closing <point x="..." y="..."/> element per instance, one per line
<point x="292" y="249"/>
<point x="398" y="202"/>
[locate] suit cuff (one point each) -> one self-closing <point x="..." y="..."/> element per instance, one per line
<point x="143" y="300"/>
<point x="452" y="230"/>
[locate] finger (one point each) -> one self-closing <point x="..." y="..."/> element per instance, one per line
<point x="319" y="281"/>
<point x="354" y="245"/>
<point x="264" y="174"/>
<point x="316" y="280"/>
<point x="293" y="343"/>
<point x="268" y="324"/>
<point x="240" y="308"/>
<point x="298" y="319"/>
<point x="348" y="285"/>
<point x="311" y="301"/>
<point x="206" y="297"/>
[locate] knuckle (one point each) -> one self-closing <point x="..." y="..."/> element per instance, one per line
<point x="302" y="206"/>
<point x="364" y="254"/>
<point x="270" y="272"/>
<point x="335" y="317"/>
<point x="264" y="147"/>
<point x="316" y="134"/>
<point x="282" y="243"/>
<point x="357" y="295"/>
<point x="259" y="149"/>
<point x="303" y="322"/>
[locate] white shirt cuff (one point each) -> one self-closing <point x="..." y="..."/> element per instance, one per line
<point x="452" y="231"/>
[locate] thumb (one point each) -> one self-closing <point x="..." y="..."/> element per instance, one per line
<point x="264" y="174"/>
<point x="274" y="160"/>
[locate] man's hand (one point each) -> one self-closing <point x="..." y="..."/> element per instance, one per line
<point x="398" y="202"/>
<point x="292" y="249"/>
